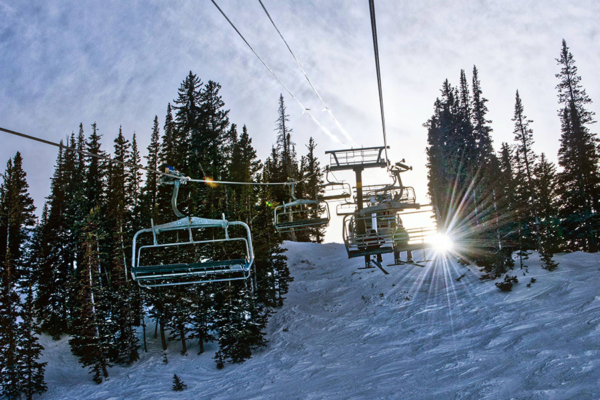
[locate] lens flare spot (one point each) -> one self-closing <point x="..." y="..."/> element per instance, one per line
<point x="442" y="243"/>
<point x="210" y="182"/>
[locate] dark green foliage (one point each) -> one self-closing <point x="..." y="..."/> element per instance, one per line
<point x="150" y="190"/>
<point x="20" y="370"/>
<point x="82" y="246"/>
<point x="507" y="284"/>
<point x="178" y="384"/>
<point x="16" y="214"/>
<point x="463" y="171"/>
<point x="10" y="379"/>
<point x="91" y="328"/>
<point x="579" y="181"/>
<point x="32" y="371"/>
<point x="310" y="169"/>
<point x="55" y="253"/>
<point x="525" y="158"/>
<point x="239" y="324"/>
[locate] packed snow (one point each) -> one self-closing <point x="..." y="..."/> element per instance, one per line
<point x="416" y="333"/>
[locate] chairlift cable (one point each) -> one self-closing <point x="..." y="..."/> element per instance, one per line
<point x="376" y="51"/>
<point x="306" y="75"/>
<point x="126" y="164"/>
<point x="304" y="109"/>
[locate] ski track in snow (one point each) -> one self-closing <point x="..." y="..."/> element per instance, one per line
<point x="414" y="334"/>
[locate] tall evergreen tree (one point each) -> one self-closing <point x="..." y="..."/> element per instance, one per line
<point x="53" y="256"/>
<point x="19" y="348"/>
<point x="285" y="145"/>
<point x="31" y="370"/>
<point x="10" y="374"/>
<point x="546" y="192"/>
<point x="150" y="190"/>
<point x="17" y="216"/>
<point x="579" y="181"/>
<point x="524" y="137"/>
<point x="311" y="189"/>
<point x="96" y="171"/>
<point x="91" y="333"/>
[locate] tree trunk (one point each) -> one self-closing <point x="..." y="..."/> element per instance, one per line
<point x="144" y="333"/>
<point x="201" y="342"/>
<point x="162" y="336"/>
<point x="183" y="346"/>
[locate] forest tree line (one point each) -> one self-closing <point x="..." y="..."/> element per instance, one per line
<point x="66" y="274"/>
<point x="514" y="200"/>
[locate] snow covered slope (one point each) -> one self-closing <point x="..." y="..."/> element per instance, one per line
<point x="414" y="334"/>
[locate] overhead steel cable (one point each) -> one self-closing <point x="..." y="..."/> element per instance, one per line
<point x="376" y="50"/>
<point x="304" y="109"/>
<point x="306" y="75"/>
<point x="154" y="171"/>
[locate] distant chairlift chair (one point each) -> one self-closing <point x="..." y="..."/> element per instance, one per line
<point x="334" y="191"/>
<point x="197" y="265"/>
<point x="300" y="214"/>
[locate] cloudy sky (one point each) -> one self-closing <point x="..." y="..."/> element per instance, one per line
<point x="120" y="63"/>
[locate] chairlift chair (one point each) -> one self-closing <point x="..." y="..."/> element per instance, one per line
<point x="300" y="214"/>
<point x="193" y="262"/>
<point x="333" y="191"/>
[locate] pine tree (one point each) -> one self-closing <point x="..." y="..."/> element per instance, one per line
<point x="16" y="221"/>
<point x="524" y="137"/>
<point x="521" y="207"/>
<point x="178" y="384"/>
<point x="206" y="152"/>
<point x="10" y="376"/>
<point x="16" y="214"/>
<point x="504" y="225"/>
<point x="579" y="181"/>
<point x="546" y="189"/>
<point x="481" y="129"/>
<point x="311" y="189"/>
<point x="244" y="167"/>
<point x="96" y="171"/>
<point x="285" y="146"/>
<point x="203" y="314"/>
<point x="90" y="336"/>
<point x="133" y="187"/>
<point x="187" y="114"/>
<point x="240" y="325"/>
<point x="122" y="193"/>
<point x="150" y="190"/>
<point x="54" y="256"/>
<point x="32" y="371"/>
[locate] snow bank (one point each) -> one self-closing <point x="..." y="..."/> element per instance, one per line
<point x="414" y="334"/>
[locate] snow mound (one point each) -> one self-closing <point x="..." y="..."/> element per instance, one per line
<point x="417" y="333"/>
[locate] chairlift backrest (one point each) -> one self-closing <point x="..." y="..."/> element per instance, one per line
<point x="197" y="266"/>
<point x="300" y="214"/>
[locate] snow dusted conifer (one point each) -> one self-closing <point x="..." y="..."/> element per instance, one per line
<point x="527" y="157"/>
<point x="150" y="189"/>
<point x="10" y="374"/>
<point x="579" y="181"/>
<point x="310" y="167"/>
<point x="16" y="221"/>
<point x="90" y="336"/>
<point x="178" y="384"/>
<point x="240" y="325"/>
<point x="32" y="370"/>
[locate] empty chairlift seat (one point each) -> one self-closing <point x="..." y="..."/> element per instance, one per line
<point x="300" y="215"/>
<point x="192" y="250"/>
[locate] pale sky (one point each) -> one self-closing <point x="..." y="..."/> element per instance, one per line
<point x="120" y="63"/>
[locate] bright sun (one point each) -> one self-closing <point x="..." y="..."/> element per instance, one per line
<point x="442" y="243"/>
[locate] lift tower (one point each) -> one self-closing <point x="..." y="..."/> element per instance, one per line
<point x="358" y="160"/>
